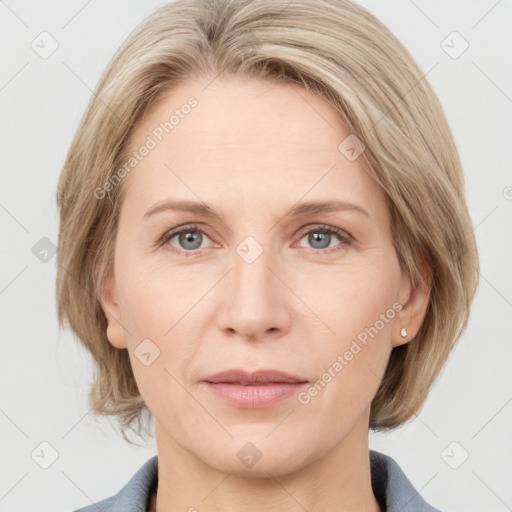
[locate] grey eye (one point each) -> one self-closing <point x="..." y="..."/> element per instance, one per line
<point x="319" y="240"/>
<point x="189" y="239"/>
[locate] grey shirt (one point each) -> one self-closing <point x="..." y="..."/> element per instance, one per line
<point x="391" y="487"/>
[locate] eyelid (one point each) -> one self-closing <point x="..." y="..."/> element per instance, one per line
<point x="325" y="227"/>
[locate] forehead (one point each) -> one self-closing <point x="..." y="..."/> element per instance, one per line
<point x="244" y="113"/>
<point x="244" y="137"/>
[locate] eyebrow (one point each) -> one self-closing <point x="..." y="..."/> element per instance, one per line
<point x="302" y="209"/>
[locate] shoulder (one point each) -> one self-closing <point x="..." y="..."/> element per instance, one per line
<point x="392" y="487"/>
<point x="134" y="496"/>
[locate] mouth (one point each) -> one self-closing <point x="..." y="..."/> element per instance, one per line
<point x="256" y="390"/>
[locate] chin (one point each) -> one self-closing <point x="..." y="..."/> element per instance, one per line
<point x="276" y="466"/>
<point x="256" y="456"/>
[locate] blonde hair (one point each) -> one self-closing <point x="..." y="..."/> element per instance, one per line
<point x="339" y="51"/>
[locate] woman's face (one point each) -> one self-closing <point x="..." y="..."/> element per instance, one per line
<point x="317" y="294"/>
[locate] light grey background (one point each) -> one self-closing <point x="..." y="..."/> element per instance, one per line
<point x="45" y="375"/>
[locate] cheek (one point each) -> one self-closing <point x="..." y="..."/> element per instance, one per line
<point x="356" y="308"/>
<point x="157" y="309"/>
<point x="351" y="356"/>
<point x="154" y="294"/>
<point x="353" y="297"/>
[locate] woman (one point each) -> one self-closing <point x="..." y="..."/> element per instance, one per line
<point x="265" y="246"/>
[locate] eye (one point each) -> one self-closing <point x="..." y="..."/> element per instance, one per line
<point x="189" y="239"/>
<point x="321" y="237"/>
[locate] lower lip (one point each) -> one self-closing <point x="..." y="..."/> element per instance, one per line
<point x="255" y="397"/>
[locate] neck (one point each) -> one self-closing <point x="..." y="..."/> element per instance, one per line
<point x="338" y="480"/>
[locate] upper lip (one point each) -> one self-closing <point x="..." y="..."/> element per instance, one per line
<point x="245" y="377"/>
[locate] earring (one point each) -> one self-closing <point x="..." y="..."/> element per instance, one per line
<point x="403" y="332"/>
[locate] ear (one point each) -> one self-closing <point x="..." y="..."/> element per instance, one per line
<point x="414" y="303"/>
<point x="115" y="332"/>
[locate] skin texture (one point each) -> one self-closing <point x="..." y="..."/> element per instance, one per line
<point x="253" y="150"/>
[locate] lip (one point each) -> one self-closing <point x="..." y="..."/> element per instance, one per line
<point x="254" y="390"/>
<point x="264" y="375"/>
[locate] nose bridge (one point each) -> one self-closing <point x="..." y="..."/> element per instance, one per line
<point x="255" y="302"/>
<point x="252" y="279"/>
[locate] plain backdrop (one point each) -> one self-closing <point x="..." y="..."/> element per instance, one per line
<point x="457" y="452"/>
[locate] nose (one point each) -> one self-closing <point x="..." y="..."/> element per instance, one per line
<point x="256" y="298"/>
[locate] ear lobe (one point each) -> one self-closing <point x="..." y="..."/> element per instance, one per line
<point x="115" y="332"/>
<point x="414" y="308"/>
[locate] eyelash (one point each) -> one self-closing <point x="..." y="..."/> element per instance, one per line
<point x="342" y="235"/>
